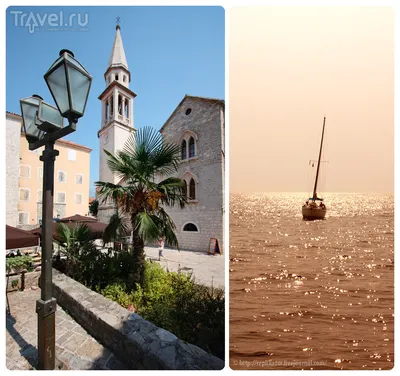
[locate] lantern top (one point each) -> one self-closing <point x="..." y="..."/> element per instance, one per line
<point x="66" y="51"/>
<point x="68" y="57"/>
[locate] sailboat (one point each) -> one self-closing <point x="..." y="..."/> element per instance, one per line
<point x="314" y="207"/>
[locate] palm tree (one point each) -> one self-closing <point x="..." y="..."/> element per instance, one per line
<point x="70" y="242"/>
<point x="145" y="156"/>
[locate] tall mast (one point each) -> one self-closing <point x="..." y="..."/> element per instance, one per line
<point x="319" y="162"/>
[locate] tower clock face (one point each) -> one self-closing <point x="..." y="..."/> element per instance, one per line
<point x="105" y="140"/>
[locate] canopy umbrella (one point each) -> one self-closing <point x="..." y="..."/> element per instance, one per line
<point x="18" y="238"/>
<point x="97" y="228"/>
<point x="78" y="218"/>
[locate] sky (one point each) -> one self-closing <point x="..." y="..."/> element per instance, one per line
<point x="171" y="52"/>
<point x="290" y="67"/>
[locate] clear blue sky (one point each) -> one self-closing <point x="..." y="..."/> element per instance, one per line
<point x="171" y="51"/>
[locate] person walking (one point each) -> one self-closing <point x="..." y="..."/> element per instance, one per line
<point x="160" y="248"/>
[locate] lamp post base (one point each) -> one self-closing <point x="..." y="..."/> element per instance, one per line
<point x="46" y="311"/>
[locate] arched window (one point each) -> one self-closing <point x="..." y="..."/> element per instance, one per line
<point x="183" y="150"/>
<point x="116" y="77"/>
<point x="184" y="188"/>
<point x="190" y="227"/>
<point x="192" y="151"/>
<point x="120" y="104"/>
<point x="192" y="189"/>
<point x="106" y="110"/>
<point x="111" y="105"/>
<point x="126" y="110"/>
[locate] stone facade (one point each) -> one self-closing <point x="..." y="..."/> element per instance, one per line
<point x="200" y="119"/>
<point x="13" y="131"/>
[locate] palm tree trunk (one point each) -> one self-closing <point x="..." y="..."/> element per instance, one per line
<point x="138" y="258"/>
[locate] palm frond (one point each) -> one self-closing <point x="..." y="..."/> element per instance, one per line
<point x="117" y="228"/>
<point x="63" y="234"/>
<point x="168" y="228"/>
<point x="148" y="226"/>
<point x="172" y="192"/>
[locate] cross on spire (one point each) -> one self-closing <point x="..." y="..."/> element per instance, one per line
<point x="118" y="21"/>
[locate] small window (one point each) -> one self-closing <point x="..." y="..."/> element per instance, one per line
<point x="192" y="189"/>
<point x="78" y="198"/>
<point x="39" y="196"/>
<point x="24" y="171"/>
<point x="190" y="227"/>
<point x="71" y="155"/>
<point x="116" y="77"/>
<point x="24" y="194"/>
<point x="124" y="79"/>
<point x="192" y="149"/>
<point x="23" y="218"/>
<point x="183" y="150"/>
<point x="60" y="198"/>
<point x="61" y="176"/>
<point x="188" y="111"/>
<point x="40" y="172"/>
<point x="79" y="179"/>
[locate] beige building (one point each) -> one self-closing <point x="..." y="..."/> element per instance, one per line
<point x="71" y="180"/>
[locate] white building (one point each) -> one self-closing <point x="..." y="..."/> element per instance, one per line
<point x="197" y="125"/>
<point x="117" y="116"/>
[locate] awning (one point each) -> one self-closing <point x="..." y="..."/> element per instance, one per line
<point x="18" y="238"/>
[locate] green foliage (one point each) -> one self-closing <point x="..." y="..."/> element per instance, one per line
<point x="18" y="262"/>
<point x="173" y="301"/>
<point x="137" y="196"/>
<point x="14" y="283"/>
<point x="94" y="208"/>
<point x="117" y="293"/>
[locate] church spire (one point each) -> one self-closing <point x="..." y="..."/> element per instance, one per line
<point x="118" y="58"/>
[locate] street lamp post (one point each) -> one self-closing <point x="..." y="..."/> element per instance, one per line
<point x="69" y="84"/>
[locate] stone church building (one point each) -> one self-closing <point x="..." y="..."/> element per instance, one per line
<point x="198" y="126"/>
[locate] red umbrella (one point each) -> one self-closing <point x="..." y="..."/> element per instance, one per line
<point x="18" y="238"/>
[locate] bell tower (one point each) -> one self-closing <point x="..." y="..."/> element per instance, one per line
<point x="116" y="116"/>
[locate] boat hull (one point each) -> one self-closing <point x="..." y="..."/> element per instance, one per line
<point x="313" y="213"/>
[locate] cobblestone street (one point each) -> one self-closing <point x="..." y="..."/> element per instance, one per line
<point x="75" y="348"/>
<point x="207" y="269"/>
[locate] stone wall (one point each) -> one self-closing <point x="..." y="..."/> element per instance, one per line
<point x="137" y="342"/>
<point x="205" y="122"/>
<point x="31" y="279"/>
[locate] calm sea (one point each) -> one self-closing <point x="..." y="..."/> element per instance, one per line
<point x="311" y="294"/>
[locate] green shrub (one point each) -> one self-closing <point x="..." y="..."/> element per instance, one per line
<point x="173" y="301"/>
<point x="18" y="262"/>
<point x="116" y="292"/>
<point x="14" y="283"/>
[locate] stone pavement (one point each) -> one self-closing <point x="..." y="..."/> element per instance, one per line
<point x="207" y="269"/>
<point x="75" y="348"/>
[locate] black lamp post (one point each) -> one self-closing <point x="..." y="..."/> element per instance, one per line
<point x="69" y="84"/>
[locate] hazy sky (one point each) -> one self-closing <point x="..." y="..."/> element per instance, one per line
<point x="290" y="66"/>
